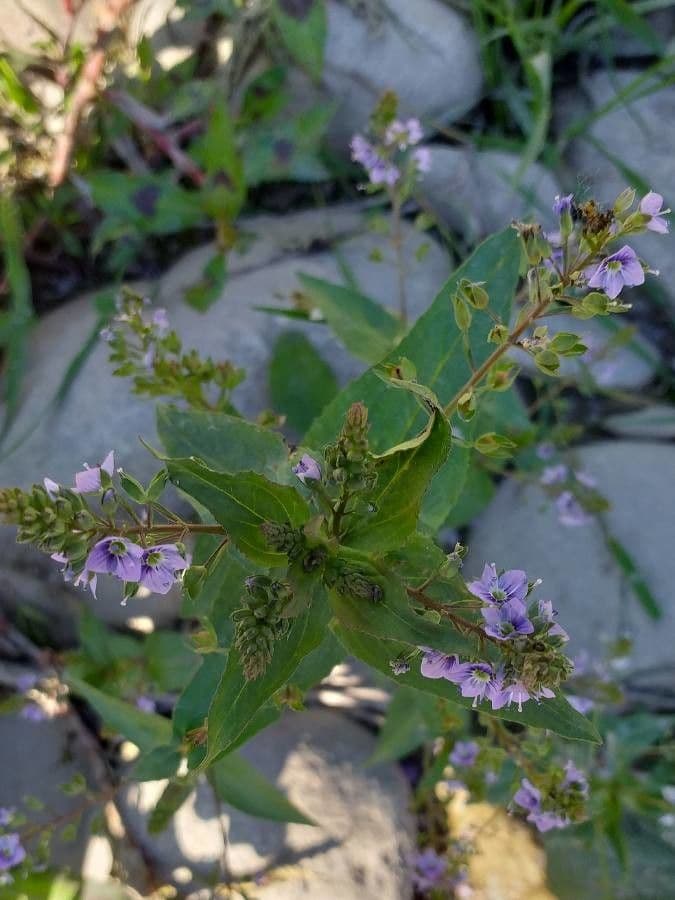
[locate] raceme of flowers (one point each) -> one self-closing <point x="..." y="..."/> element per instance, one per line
<point x="570" y="488"/>
<point x="510" y="622"/>
<point x="387" y="159"/>
<point x="556" y="804"/>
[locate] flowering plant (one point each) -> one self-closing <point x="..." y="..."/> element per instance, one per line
<point x="302" y="555"/>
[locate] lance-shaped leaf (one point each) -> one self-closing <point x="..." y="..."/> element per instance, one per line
<point x="412" y="719"/>
<point x="556" y="715"/>
<point x="394" y="618"/>
<point x="241" y="785"/>
<point x="302" y="25"/>
<point x="225" y="443"/>
<point x="403" y="476"/>
<point x="241" y="502"/>
<point x="236" y="700"/>
<point x="365" y="328"/>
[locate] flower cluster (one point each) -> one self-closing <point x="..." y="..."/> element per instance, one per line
<point x="145" y="348"/>
<point x="574" y="494"/>
<point x="531" y="664"/>
<point x="388" y="159"/>
<point x="12" y="853"/>
<point x="441" y="875"/>
<point x="557" y="802"/>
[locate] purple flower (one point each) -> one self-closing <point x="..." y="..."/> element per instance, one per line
<point x="307" y="469"/>
<point x="403" y="134"/>
<point x="31" y="712"/>
<point x="428" y="869"/>
<point x="146" y="704"/>
<point x="546" y="821"/>
<point x="25" y="682"/>
<point x="85" y="579"/>
<point x="586" y="479"/>
<point x="6" y="815"/>
<point x="383" y="172"/>
<point x="574" y="777"/>
<point x="621" y="269"/>
<point x="116" y="556"/>
<point x="562" y="204"/>
<point x="507" y="621"/>
<point x="545" y="451"/>
<point x="481" y="681"/>
<point x="422" y="159"/>
<point x="11" y="851"/>
<point x="528" y="796"/>
<point x="106" y="334"/>
<point x="570" y="511"/>
<point x="548" y="614"/>
<point x="159" y="567"/>
<point x="554" y="474"/>
<point x="652" y="205"/>
<point x="88" y="481"/>
<point x="52" y="487"/>
<point x="436" y="664"/>
<point x="363" y="151"/>
<point x="582" y="705"/>
<point x="493" y="588"/>
<point x="464" y="753"/>
<point x="161" y="321"/>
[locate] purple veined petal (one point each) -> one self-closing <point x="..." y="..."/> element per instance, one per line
<point x="557" y="630"/>
<point x="574" y="776"/>
<point x="546" y="821"/>
<point x="99" y="559"/>
<point x="307" y="469"/>
<point x="464" y="753"/>
<point x="658" y="224"/>
<point x="88" y="481"/>
<point x="633" y="273"/>
<point x="651" y="204"/>
<point x="597" y="278"/>
<point x="52" y="487"/>
<point x="528" y="796"/>
<point x="159" y="580"/>
<point x="127" y="568"/>
<point x="170" y="557"/>
<point x="108" y="464"/>
<point x="613" y="283"/>
<point x="60" y="558"/>
<point x="517" y="693"/>
<point x="11" y="852"/>
<point x="514" y="582"/>
<point x="436" y="664"/>
<point x="482" y="586"/>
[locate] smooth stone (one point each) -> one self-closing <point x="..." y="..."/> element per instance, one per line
<point x="364" y="828"/>
<point x="473" y="191"/>
<point x="101" y="413"/>
<point x="641" y="133"/>
<point x="626" y="44"/>
<point x="623" y="367"/>
<point x="425" y="52"/>
<point x="654" y="421"/>
<point x="36" y="759"/>
<point x="520" y="530"/>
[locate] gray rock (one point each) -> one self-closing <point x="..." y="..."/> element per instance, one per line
<point x="25" y="23"/>
<point x="610" y="365"/>
<point x="626" y="44"/>
<point x="641" y="134"/>
<point x="101" y="413"/>
<point x="426" y="52"/>
<point x="364" y="827"/>
<point x="654" y="421"/>
<point x="473" y="190"/>
<point x="520" y="529"/>
<point x="36" y="759"/>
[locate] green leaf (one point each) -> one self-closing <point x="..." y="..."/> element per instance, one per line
<point x="209" y="288"/>
<point x="236" y="700"/>
<point x="318" y="663"/>
<point x="435" y="347"/>
<point x="301" y="383"/>
<point x="556" y="715"/>
<point x="241" y="503"/>
<point x="146" y="730"/>
<point x="241" y="785"/>
<point x="160" y="762"/>
<point x="446" y="488"/>
<point x="412" y="719"/>
<point x="634" y="577"/>
<point x="366" y="329"/>
<point x="169" y="660"/>
<point x="403" y="477"/>
<point x="288" y="149"/>
<point x="225" y="443"/>
<point x="302" y="25"/>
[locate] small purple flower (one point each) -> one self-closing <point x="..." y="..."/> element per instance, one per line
<point x="403" y="134"/>
<point x="507" y="621"/>
<point x="528" y="796"/>
<point x="562" y="204"/>
<point x="159" y="567"/>
<point x="582" y="705"/>
<point x="493" y="588"/>
<point x="161" y="321"/>
<point x="11" y="851"/>
<point x="586" y="479"/>
<point x="52" y="487"/>
<point x="116" y="556"/>
<point x="106" y="334"/>
<point x="363" y="151"/>
<point x="570" y="511"/>
<point x="31" y="712"/>
<point x="6" y="815"/>
<point x="464" y="753"/>
<point x="546" y="821"/>
<point x="574" y="777"/>
<point x="480" y="682"/>
<point x="548" y="614"/>
<point x="621" y="269"/>
<point x="85" y="579"/>
<point x="428" y="869"/>
<point x="146" y="704"/>
<point x="554" y="474"/>
<point x="422" y="159"/>
<point x="545" y="451"/>
<point x="384" y="172"/>
<point x="307" y="469"/>
<point x="88" y="481"/>
<point x="652" y="205"/>
<point x="436" y="664"/>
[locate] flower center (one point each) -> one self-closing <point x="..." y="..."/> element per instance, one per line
<point x="614" y="266"/>
<point x="154" y="558"/>
<point x="117" y="548"/>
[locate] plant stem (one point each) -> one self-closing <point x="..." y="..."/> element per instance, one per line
<point x="441" y="608"/>
<point x="397" y="244"/>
